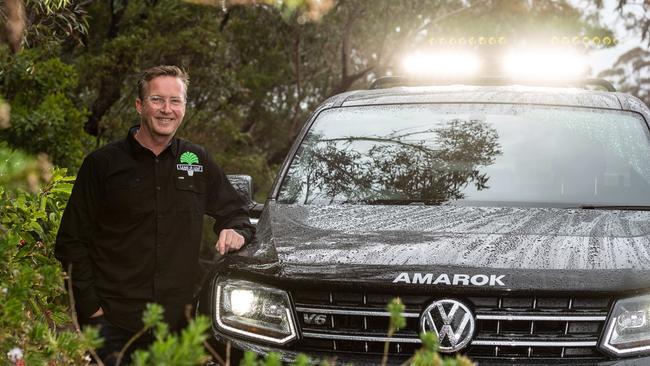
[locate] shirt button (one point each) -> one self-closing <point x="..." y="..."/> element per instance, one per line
<point x="157" y="188"/>
<point x="157" y="160"/>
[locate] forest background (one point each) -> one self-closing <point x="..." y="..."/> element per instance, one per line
<point x="68" y="74"/>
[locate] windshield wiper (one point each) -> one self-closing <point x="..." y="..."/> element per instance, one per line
<point x="614" y="207"/>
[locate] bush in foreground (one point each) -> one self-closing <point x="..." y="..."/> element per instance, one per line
<point x="35" y="324"/>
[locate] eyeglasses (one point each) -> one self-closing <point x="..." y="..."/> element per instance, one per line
<point x="158" y="101"/>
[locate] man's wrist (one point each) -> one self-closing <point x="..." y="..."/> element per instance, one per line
<point x="244" y="234"/>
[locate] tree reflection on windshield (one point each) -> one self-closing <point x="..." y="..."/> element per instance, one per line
<point x="428" y="165"/>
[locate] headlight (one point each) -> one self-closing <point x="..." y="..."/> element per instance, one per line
<point x="254" y="310"/>
<point x="628" y="330"/>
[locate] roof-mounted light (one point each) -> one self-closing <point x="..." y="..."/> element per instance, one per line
<point x="442" y="64"/>
<point x="544" y="64"/>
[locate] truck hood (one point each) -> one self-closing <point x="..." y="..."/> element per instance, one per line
<point x="541" y="247"/>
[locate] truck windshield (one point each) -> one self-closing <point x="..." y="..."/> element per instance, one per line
<point x="469" y="154"/>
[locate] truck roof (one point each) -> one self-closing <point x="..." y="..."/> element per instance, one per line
<point x="512" y="94"/>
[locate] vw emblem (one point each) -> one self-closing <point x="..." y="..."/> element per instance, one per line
<point x="452" y="321"/>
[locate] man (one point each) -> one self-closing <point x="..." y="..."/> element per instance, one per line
<point x="132" y="228"/>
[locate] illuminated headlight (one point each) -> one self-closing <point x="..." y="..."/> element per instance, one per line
<point x="628" y="330"/>
<point x="254" y="310"/>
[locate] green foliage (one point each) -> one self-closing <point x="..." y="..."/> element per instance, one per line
<point x="429" y="341"/>
<point x="272" y="359"/>
<point x="250" y="359"/>
<point x="33" y="308"/>
<point x="52" y="6"/>
<point x="301" y="360"/>
<point x="397" y="319"/>
<point x="44" y="117"/>
<point x="54" y="21"/>
<point x="628" y="73"/>
<point x="152" y="315"/>
<point x="428" y="354"/>
<point x="18" y="170"/>
<point x="172" y="349"/>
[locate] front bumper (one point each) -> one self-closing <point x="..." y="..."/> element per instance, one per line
<point x="239" y="346"/>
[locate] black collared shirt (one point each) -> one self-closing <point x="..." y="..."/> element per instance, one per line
<point x="132" y="228"/>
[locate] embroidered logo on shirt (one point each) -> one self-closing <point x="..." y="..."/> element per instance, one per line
<point x="189" y="163"/>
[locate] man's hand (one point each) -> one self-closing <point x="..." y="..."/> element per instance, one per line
<point x="229" y="240"/>
<point x="99" y="312"/>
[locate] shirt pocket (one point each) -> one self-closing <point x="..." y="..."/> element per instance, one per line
<point x="125" y="195"/>
<point x="190" y="193"/>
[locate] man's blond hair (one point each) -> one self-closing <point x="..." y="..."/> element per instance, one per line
<point x="162" y="70"/>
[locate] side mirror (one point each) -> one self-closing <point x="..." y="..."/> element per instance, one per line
<point x="243" y="184"/>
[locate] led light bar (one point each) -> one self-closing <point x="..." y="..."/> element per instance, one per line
<point x="544" y="64"/>
<point x="452" y="63"/>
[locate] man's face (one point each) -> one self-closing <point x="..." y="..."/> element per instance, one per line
<point x="160" y="112"/>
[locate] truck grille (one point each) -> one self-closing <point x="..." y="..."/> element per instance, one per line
<point x="506" y="327"/>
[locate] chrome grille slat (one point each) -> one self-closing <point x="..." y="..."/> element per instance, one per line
<point x="342" y="337"/>
<point x="534" y="344"/>
<point x="351" y="312"/>
<point x="540" y="317"/>
<point x="534" y="318"/>
<point x="512" y="327"/>
<point x="533" y="338"/>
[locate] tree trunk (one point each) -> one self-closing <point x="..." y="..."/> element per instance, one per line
<point x="15" y="26"/>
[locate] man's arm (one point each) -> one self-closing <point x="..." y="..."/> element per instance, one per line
<point x="230" y="211"/>
<point x="75" y="236"/>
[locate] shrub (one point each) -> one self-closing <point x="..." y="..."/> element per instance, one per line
<point x="169" y="349"/>
<point x="35" y="326"/>
<point x="45" y="117"/>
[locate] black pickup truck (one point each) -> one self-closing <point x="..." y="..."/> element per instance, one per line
<point x="511" y="220"/>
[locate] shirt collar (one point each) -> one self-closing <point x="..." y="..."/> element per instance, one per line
<point x="136" y="149"/>
<point x="173" y="146"/>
